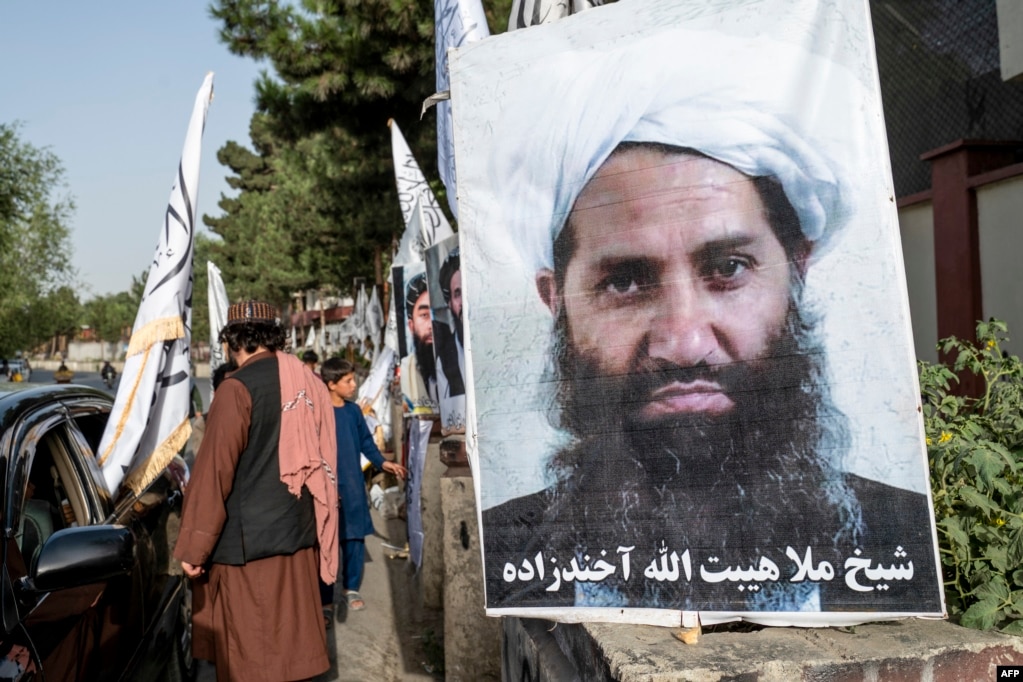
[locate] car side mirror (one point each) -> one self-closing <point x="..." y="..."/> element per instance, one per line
<point x="73" y="557"/>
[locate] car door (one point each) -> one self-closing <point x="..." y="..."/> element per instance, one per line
<point x="146" y="642"/>
<point x="76" y="633"/>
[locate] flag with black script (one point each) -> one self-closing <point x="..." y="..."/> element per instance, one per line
<point x="149" y="422"/>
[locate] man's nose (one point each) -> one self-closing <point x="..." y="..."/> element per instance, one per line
<point x="683" y="329"/>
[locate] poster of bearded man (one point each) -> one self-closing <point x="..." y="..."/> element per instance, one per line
<point x="444" y="282"/>
<point x="691" y="385"/>
<point x="416" y="369"/>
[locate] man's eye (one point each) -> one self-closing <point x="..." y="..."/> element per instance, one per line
<point x="729" y="268"/>
<point x="621" y="284"/>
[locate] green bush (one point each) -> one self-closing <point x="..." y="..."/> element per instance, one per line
<point x="974" y="451"/>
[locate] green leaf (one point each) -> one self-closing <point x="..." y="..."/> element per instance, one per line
<point x="1014" y="551"/>
<point x="982" y="615"/>
<point x="977" y="501"/>
<point x="996" y="589"/>
<point x="1013" y="628"/>
<point x="988" y="463"/>
<point x="953" y="526"/>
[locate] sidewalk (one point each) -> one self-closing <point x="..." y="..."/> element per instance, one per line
<point x="395" y="639"/>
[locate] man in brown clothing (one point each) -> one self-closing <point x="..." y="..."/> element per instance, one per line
<point x="260" y="507"/>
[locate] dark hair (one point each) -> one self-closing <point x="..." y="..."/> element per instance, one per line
<point x="452" y="264"/>
<point x="780" y="213"/>
<point x="413" y="290"/>
<point x="249" y="336"/>
<point x="310" y="356"/>
<point x="333" y="369"/>
<point x="220" y="373"/>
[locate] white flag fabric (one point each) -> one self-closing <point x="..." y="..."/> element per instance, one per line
<point x="457" y="22"/>
<point x="420" y="234"/>
<point x="374" y="319"/>
<point x="359" y="314"/>
<point x="217" y="295"/>
<point x="418" y="441"/>
<point x="149" y="422"/>
<point x="525" y="13"/>
<point x="412" y="186"/>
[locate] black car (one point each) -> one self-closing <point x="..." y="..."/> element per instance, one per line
<point x="89" y="589"/>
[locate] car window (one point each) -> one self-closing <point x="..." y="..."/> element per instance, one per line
<point x="91" y="425"/>
<point x="54" y="496"/>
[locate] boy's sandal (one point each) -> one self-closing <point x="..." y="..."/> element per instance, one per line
<point x="354" y="601"/>
<point x="328" y="617"/>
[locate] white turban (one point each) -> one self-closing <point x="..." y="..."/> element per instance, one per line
<point x="765" y="108"/>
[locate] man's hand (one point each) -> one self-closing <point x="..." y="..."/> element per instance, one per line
<point x="191" y="570"/>
<point x="396" y="469"/>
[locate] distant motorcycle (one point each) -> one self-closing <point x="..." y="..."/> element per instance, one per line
<point x="109" y="376"/>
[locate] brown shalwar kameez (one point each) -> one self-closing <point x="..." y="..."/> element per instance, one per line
<point x="262" y="620"/>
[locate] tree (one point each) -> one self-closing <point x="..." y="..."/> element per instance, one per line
<point x="317" y="205"/>
<point x="34" y="242"/>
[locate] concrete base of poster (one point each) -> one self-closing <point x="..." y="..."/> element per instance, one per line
<point x="912" y="649"/>
<point x="472" y="641"/>
<point x="431" y="579"/>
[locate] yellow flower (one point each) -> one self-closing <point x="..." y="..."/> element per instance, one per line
<point x="999" y="522"/>
<point x="929" y="441"/>
<point x="944" y="437"/>
<point x="991" y="343"/>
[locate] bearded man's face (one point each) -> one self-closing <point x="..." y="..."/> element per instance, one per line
<point x="677" y="285"/>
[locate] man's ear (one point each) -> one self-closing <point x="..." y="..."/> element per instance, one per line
<point x="547" y="287"/>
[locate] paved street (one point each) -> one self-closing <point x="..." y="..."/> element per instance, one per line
<point x="394" y="639"/>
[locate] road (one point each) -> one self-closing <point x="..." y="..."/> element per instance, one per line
<point x="43" y="376"/>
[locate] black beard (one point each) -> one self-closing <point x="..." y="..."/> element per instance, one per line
<point x="765" y="476"/>
<point x="427" y="365"/>
<point x="458" y="330"/>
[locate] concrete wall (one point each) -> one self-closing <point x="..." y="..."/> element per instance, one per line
<point x="912" y="649"/>
<point x="431" y="573"/>
<point x="916" y="224"/>
<point x="999" y="211"/>
<point x="78" y="351"/>
<point x="472" y="641"/>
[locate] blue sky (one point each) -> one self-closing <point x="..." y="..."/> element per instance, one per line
<point x="108" y="87"/>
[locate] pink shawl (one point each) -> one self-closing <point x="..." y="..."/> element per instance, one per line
<point x="308" y="452"/>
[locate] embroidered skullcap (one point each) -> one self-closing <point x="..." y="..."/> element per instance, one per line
<point x="694" y="90"/>
<point x="252" y="311"/>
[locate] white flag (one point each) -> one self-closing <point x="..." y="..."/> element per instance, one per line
<point x="149" y="422"/>
<point x="526" y="13"/>
<point x="420" y="234"/>
<point x="412" y="186"/>
<point x="457" y="22"/>
<point x="359" y="314"/>
<point x="374" y="318"/>
<point x="217" y="295"/>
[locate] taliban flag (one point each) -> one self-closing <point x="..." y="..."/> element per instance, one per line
<point x="149" y="423"/>
<point x="526" y="13"/>
<point x="456" y="22"/>
<point x="412" y="187"/>
<point x="216" y="294"/>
